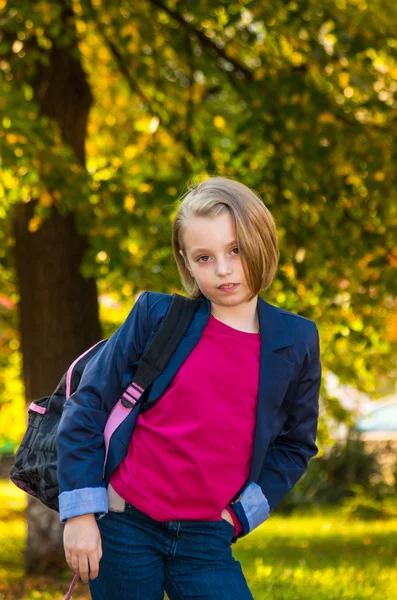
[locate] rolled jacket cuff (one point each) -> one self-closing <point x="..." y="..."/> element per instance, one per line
<point x="252" y="509"/>
<point x="83" y="501"/>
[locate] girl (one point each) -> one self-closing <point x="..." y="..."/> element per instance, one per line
<point x="233" y="426"/>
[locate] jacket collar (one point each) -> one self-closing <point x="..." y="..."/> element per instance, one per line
<point x="272" y="327"/>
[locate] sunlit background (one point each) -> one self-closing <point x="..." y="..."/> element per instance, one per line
<point x="108" y="110"/>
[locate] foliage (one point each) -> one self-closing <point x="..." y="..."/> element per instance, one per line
<point x="297" y="100"/>
<point x="348" y="476"/>
<point x="310" y="555"/>
<point x="381" y="503"/>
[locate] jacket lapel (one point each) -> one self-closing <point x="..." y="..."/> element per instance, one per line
<point x="274" y="377"/>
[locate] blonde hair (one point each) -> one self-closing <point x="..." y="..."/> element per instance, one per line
<point x="255" y="229"/>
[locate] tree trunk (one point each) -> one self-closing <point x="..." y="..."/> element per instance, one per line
<point x="58" y="315"/>
<point x="58" y="308"/>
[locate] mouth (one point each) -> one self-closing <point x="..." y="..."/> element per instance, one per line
<point x="228" y="287"/>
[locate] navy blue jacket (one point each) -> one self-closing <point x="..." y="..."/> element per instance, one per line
<point x="287" y="408"/>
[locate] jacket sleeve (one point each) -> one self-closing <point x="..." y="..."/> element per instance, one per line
<point x="287" y="458"/>
<point x="81" y="447"/>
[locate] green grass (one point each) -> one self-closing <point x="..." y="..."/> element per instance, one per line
<point x="315" y="555"/>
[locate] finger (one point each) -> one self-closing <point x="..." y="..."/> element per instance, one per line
<point x="99" y="549"/>
<point x="74" y="562"/>
<point x="83" y="567"/>
<point x="94" y="564"/>
<point x="68" y="557"/>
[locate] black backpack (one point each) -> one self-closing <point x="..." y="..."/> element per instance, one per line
<point x="35" y="465"/>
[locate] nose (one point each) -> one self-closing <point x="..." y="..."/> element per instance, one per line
<point x="223" y="268"/>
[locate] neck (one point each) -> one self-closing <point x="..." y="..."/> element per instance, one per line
<point x="243" y="316"/>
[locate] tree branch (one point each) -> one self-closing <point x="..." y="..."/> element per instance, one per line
<point x="133" y="84"/>
<point x="207" y="44"/>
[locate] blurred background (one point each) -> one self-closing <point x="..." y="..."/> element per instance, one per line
<point x="107" y="111"/>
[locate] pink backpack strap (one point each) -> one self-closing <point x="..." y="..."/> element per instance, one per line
<point x="70" y="370"/>
<point x="120" y="412"/>
<point x="68" y="595"/>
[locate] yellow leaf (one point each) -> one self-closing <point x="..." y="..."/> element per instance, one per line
<point x="35" y="223"/>
<point x="344" y="79"/>
<point x="259" y="73"/>
<point x="11" y="138"/>
<point x="127" y="30"/>
<point x="45" y="198"/>
<point x="297" y="59"/>
<point x="145" y="187"/>
<point x="130" y="152"/>
<point x="116" y="162"/>
<point x="326" y="117"/>
<point x="356" y="325"/>
<point x="129" y="203"/>
<point x="392" y="260"/>
<point x="9" y="181"/>
<point x="132" y="46"/>
<point x="110" y="120"/>
<point x="289" y="270"/>
<point x="127" y="289"/>
<point x="81" y="26"/>
<point x="133" y="248"/>
<point x="219" y="122"/>
<point x="354" y="179"/>
<point x="104" y="54"/>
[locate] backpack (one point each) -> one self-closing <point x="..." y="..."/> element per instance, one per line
<point x="35" y="465"/>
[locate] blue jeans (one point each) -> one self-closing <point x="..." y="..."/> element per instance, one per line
<point x="188" y="559"/>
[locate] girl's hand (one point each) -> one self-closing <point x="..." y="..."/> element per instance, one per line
<point x="226" y="515"/>
<point x="83" y="546"/>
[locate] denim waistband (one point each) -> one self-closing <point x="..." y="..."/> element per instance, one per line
<point x="174" y="525"/>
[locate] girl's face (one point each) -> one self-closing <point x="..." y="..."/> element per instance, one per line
<point x="212" y="257"/>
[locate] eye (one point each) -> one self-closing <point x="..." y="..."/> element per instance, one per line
<point x="206" y="256"/>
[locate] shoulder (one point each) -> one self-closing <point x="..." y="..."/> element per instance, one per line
<point x="158" y="304"/>
<point x="296" y="320"/>
<point x="302" y="329"/>
<point x="158" y="300"/>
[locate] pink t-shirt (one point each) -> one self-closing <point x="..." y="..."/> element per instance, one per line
<point x="191" y="452"/>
